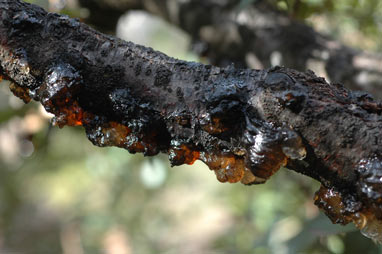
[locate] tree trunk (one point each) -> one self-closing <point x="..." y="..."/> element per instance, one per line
<point x="244" y="124"/>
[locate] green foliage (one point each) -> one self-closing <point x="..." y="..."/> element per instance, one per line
<point x="360" y="19"/>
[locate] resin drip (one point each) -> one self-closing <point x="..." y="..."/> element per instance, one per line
<point x="344" y="210"/>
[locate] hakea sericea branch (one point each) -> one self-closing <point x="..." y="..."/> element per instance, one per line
<point x="244" y="124"/>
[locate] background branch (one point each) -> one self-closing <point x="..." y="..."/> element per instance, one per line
<point x="255" y="36"/>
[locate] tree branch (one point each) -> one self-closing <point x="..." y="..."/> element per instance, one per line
<point x="250" y="36"/>
<point x="244" y="124"/>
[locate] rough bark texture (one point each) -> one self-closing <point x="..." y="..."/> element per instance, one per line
<point x="248" y="37"/>
<point x="244" y="124"/>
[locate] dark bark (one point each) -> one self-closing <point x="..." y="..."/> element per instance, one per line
<point x="226" y="33"/>
<point x="244" y="124"/>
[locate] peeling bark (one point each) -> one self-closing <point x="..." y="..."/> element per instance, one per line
<point x="244" y="124"/>
<point x="225" y="33"/>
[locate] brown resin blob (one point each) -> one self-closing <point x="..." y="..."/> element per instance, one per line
<point x="18" y="91"/>
<point x="103" y="133"/>
<point x="21" y="92"/>
<point x="58" y="95"/>
<point x="340" y="211"/>
<point x="268" y="161"/>
<point x="270" y="148"/>
<point x="72" y="115"/>
<point x="227" y="167"/>
<point x="183" y="154"/>
<point x="332" y="203"/>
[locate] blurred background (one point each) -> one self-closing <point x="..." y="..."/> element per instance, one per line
<point x="61" y="194"/>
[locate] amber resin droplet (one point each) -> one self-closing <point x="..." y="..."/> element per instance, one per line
<point x="227" y="167"/>
<point x="20" y="92"/>
<point x="332" y="202"/>
<point x="182" y="154"/>
<point x="114" y="134"/>
<point x="249" y="178"/>
<point x="71" y="115"/>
